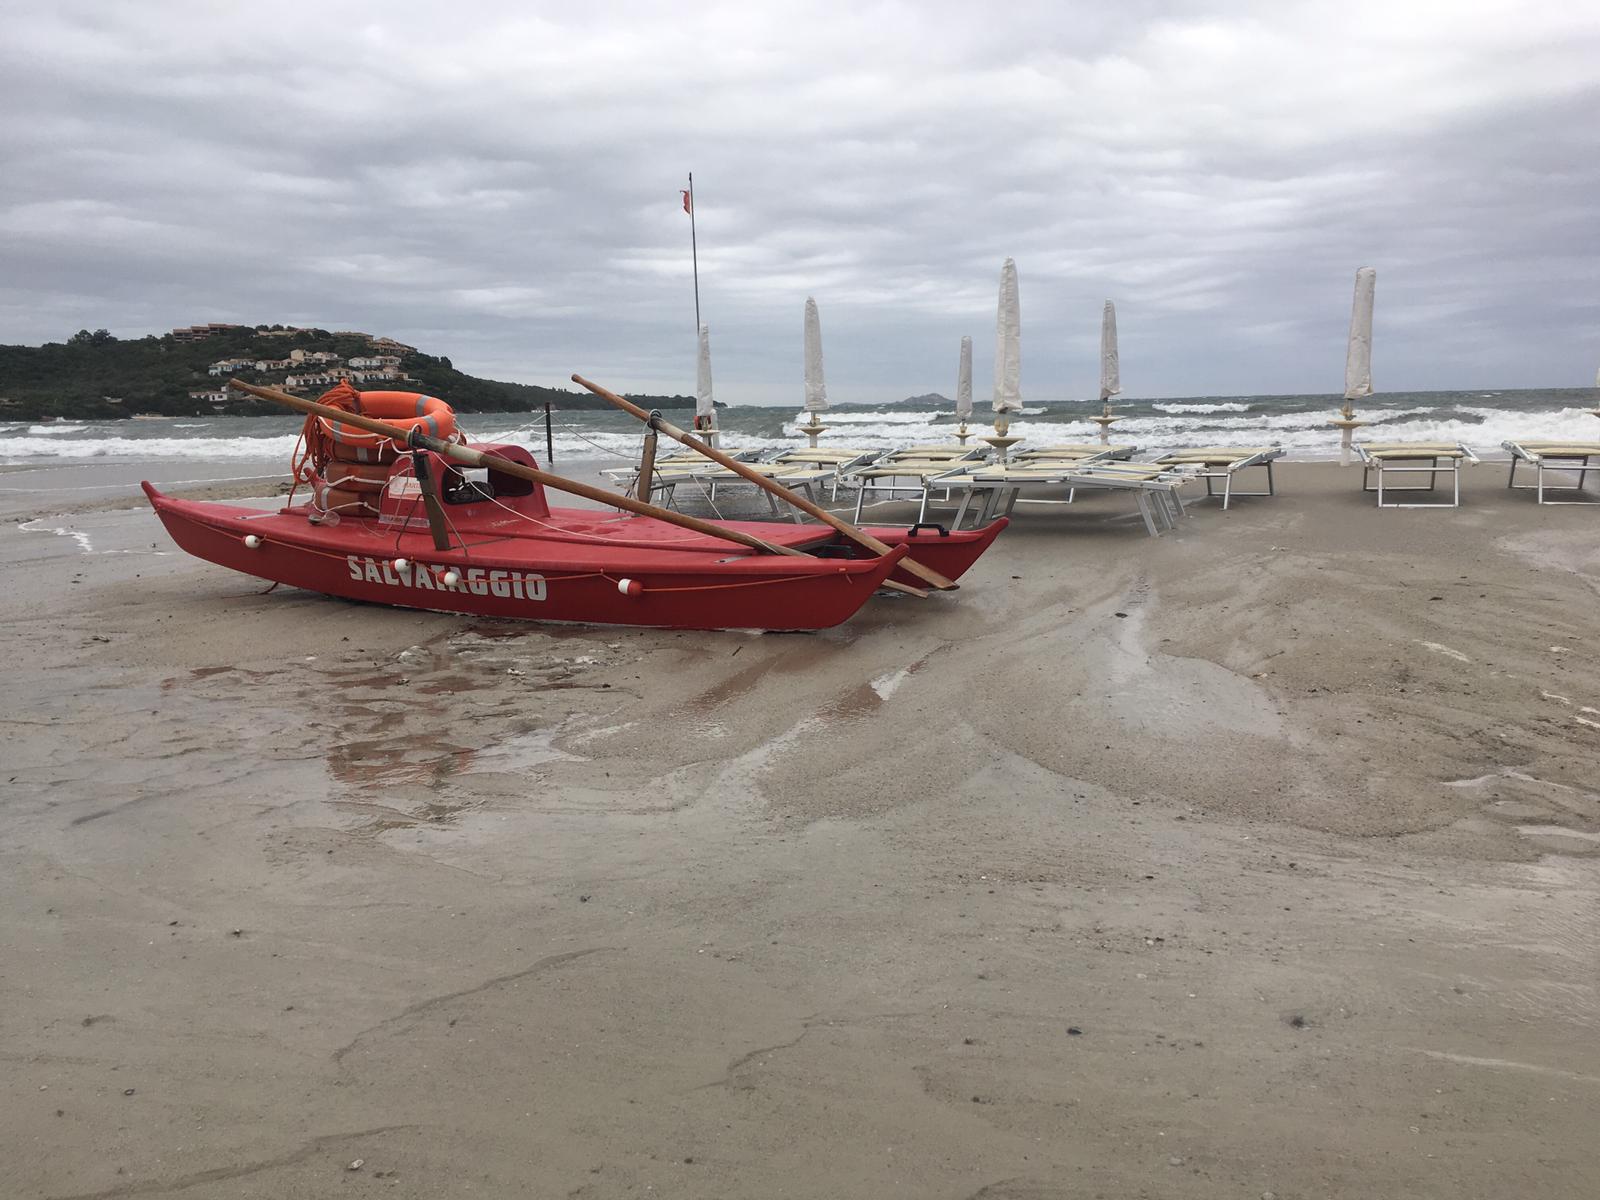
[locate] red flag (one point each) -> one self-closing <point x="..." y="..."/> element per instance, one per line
<point x="688" y="204"/>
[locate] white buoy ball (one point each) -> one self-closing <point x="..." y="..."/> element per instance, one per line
<point x="252" y="541"/>
<point x="401" y="564"/>
<point x="629" y="587"/>
<point x="451" y="578"/>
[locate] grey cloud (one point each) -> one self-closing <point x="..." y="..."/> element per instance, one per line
<point x="499" y="182"/>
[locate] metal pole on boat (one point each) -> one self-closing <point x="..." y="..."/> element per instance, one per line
<point x="549" y="439"/>
<point x="694" y="251"/>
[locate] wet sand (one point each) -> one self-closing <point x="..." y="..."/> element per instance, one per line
<point x="1259" y="858"/>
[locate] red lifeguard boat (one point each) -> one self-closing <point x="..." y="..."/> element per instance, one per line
<point x="506" y="553"/>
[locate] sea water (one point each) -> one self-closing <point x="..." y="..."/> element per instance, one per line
<point x="1300" y="424"/>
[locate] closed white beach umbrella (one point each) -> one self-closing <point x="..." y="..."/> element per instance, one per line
<point x="1008" y="349"/>
<point x="1358" y="355"/>
<point x="1110" y="367"/>
<point x="1357" y="358"/>
<point x="705" y="410"/>
<point x="964" y="383"/>
<point x="816" y="386"/>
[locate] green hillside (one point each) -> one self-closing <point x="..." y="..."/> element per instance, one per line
<point x="97" y="376"/>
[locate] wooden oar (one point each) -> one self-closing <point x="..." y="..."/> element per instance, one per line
<point x="477" y="458"/>
<point x="647" y="468"/>
<point x="860" y="537"/>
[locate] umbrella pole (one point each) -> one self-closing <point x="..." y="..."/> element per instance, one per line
<point x="858" y="536"/>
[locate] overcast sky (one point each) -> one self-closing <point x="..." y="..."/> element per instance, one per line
<point x="499" y="183"/>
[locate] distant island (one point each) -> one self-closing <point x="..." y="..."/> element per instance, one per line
<point x="97" y="376"/>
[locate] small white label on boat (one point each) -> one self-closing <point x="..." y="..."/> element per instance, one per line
<point x="405" y="485"/>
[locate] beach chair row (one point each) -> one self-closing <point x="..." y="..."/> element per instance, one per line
<point x="982" y="488"/>
<point x="985" y="489"/>
<point x="1386" y="467"/>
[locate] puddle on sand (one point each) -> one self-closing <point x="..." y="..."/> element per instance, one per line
<point x="448" y="685"/>
<point x="385" y="818"/>
<point x="385" y="762"/>
<point x="869" y="697"/>
<point x="524" y="750"/>
<point x="1559" y="831"/>
<point x="1516" y="810"/>
<point x="792" y="659"/>
<point x="505" y="631"/>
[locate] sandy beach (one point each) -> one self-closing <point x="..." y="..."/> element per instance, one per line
<point x="1259" y="859"/>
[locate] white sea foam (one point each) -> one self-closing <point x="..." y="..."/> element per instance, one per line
<point x="23" y="448"/>
<point x="857" y="417"/>
<point x="600" y="436"/>
<point x="1187" y="409"/>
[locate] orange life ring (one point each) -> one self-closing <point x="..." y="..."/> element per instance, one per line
<point x="357" y="477"/>
<point x="408" y="410"/>
<point x="380" y="455"/>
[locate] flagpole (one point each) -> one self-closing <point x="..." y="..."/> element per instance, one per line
<point x="694" y="250"/>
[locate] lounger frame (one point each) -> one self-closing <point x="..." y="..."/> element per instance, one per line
<point x="882" y="476"/>
<point x="1156" y="498"/>
<point x="1385" y="459"/>
<point x="714" y="476"/>
<point x="1541" y="459"/>
<point x="1221" y="466"/>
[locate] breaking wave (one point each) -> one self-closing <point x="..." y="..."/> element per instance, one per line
<point x="1301" y="424"/>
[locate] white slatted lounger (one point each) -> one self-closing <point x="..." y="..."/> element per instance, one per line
<point x="1566" y="457"/>
<point x="839" y="460"/>
<point x="909" y="473"/>
<point x="797" y="477"/>
<point x="1389" y="458"/>
<point x="1080" y="452"/>
<point x="950" y="450"/>
<point x="627" y="477"/>
<point x="1223" y="462"/>
<point x="1154" y="488"/>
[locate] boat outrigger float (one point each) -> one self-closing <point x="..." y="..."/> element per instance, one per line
<point x="392" y="519"/>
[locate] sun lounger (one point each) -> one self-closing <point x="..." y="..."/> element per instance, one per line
<point x="998" y="487"/>
<point x="1074" y="452"/>
<point x="1223" y="462"/>
<point x="711" y="476"/>
<point x="1566" y="457"/>
<point x="950" y="450"/>
<point x="838" y="459"/>
<point x="626" y="477"/>
<point x="890" y="477"/>
<point x="826" y="456"/>
<point x="1391" y="458"/>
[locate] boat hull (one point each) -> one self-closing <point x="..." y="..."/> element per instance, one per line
<point x="526" y="578"/>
